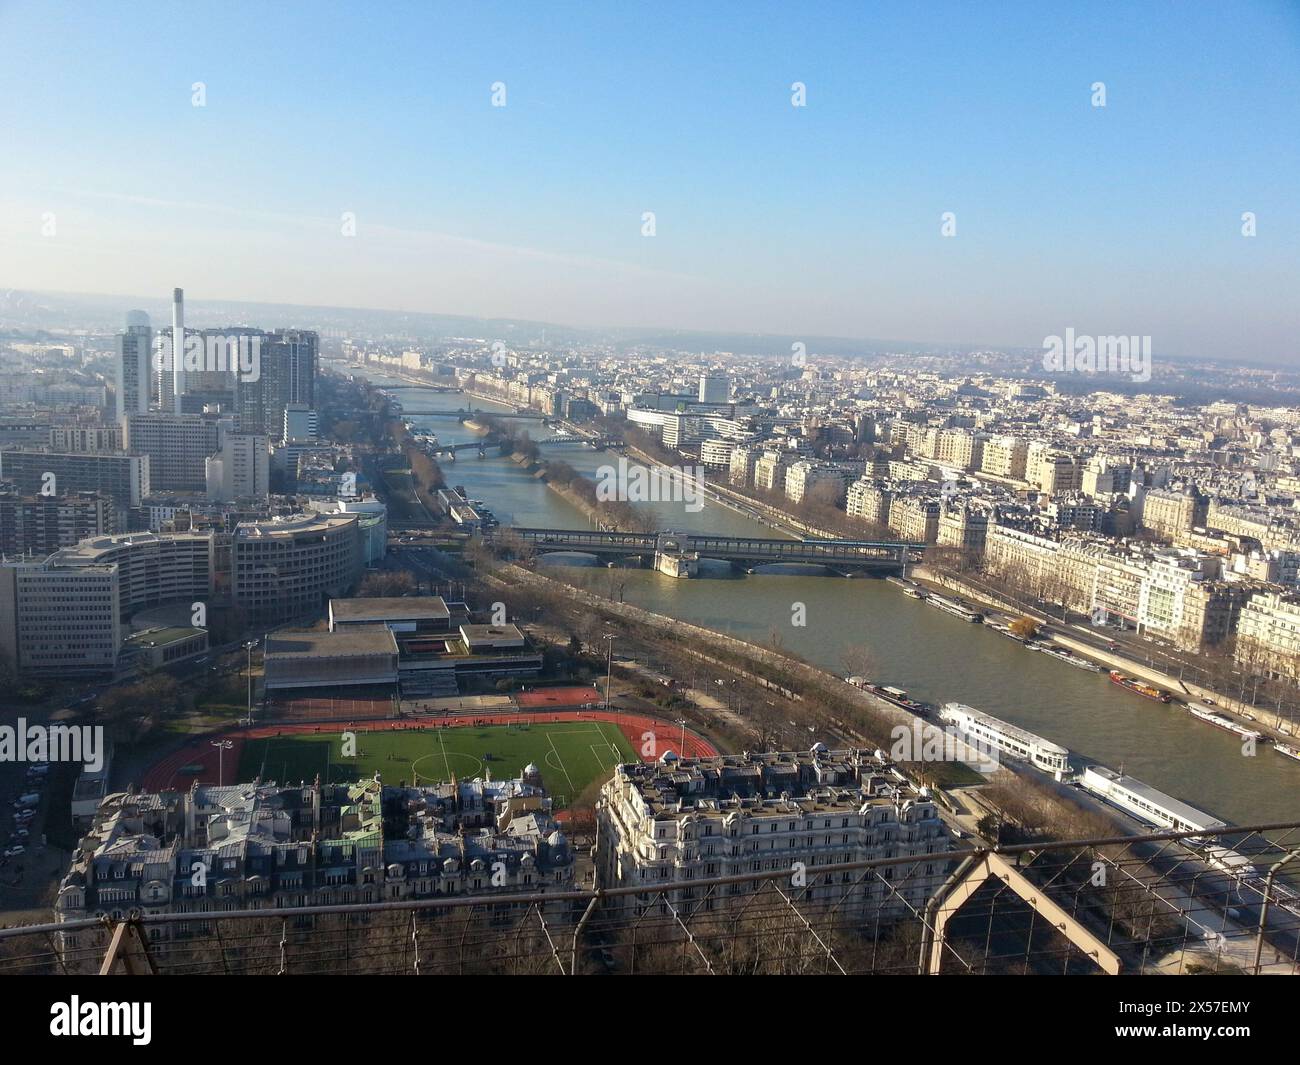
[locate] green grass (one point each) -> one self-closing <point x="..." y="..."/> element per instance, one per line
<point x="571" y="754"/>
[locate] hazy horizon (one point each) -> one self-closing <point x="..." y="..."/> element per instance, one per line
<point x="820" y="220"/>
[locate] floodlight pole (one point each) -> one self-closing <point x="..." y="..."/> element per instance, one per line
<point x="609" y="638"/>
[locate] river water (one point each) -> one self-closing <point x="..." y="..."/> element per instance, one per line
<point x="934" y="656"/>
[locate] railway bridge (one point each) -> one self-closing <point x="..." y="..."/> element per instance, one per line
<point x="747" y="551"/>
<point x="487" y="442"/>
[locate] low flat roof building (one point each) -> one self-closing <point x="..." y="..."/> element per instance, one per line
<point x="160" y="647"/>
<point x="354" y="657"/>
<point x="482" y="638"/>
<point x="399" y="613"/>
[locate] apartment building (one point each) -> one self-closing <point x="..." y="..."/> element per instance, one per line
<point x="1180" y="600"/>
<point x="959" y="448"/>
<point x="38" y="525"/>
<point x="133" y="358"/>
<point x="1053" y="472"/>
<point x="1105" y="476"/>
<point x="287" y="378"/>
<point x="241" y="469"/>
<point x="264" y="846"/>
<point x="1171" y="513"/>
<point x="682" y="820"/>
<point x="741" y="466"/>
<point x="869" y="501"/>
<point x="1268" y="634"/>
<point x="915" y="517"/>
<point x="964" y="527"/>
<point x="86" y="437"/>
<point x="1259" y="523"/>
<point x="1005" y="456"/>
<point x="804" y="476"/>
<point x="1037" y="564"/>
<point x="770" y="471"/>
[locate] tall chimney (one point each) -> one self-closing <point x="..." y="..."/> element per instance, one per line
<point x="178" y="348"/>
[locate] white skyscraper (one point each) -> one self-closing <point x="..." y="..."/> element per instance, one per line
<point x="134" y="351"/>
<point x="714" y="388"/>
<point x="241" y="469"/>
<point x="178" y="350"/>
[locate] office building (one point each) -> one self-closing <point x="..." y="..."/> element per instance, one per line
<point x="66" y="615"/>
<point x="134" y="366"/>
<point x="178" y="446"/>
<point x="287" y="379"/>
<point x="124" y="478"/>
<point x="715" y="388"/>
<point x="241" y="469"/>
<point x="289" y="567"/>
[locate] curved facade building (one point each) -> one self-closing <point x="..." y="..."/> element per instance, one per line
<point x="152" y="568"/>
<point x="373" y="517"/>
<point x="66" y="615"/>
<point x="285" y="568"/>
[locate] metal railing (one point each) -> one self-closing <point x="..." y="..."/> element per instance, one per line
<point x="1159" y="903"/>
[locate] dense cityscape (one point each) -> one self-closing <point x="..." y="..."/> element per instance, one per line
<point x="461" y="562"/>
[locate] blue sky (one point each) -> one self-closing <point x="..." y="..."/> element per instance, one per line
<point x="815" y="220"/>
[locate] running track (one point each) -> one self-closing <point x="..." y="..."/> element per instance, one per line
<point x="165" y="774"/>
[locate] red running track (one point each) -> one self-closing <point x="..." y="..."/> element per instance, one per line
<point x="165" y="774"/>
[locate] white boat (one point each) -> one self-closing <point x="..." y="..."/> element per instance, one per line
<point x="909" y="588"/>
<point x="1288" y="750"/>
<point x="1065" y="656"/>
<point x="989" y="731"/>
<point x="1223" y="721"/>
<point x="1147" y="804"/>
<point x="956" y="609"/>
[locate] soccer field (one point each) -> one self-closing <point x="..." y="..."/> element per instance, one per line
<point x="571" y="754"/>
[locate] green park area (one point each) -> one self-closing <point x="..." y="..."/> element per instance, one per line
<point x="570" y="754"/>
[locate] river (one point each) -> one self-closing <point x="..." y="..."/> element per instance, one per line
<point x="934" y="656"/>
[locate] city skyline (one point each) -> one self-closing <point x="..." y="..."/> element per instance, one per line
<point x="825" y="219"/>
<point x="658" y="489"/>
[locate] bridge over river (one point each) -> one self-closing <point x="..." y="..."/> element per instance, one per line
<point x="486" y="443"/>
<point x="742" y="550"/>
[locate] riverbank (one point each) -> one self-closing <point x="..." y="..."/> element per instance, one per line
<point x="737" y="501"/>
<point x="862" y="717"/>
<point x="1248" y="715"/>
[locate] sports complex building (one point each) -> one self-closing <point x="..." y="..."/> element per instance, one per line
<point x="419" y="645"/>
